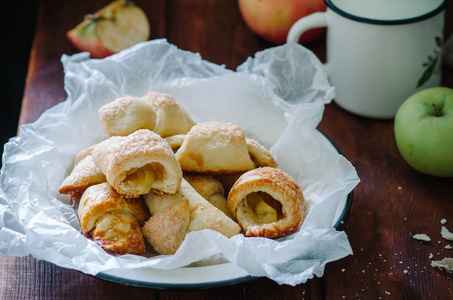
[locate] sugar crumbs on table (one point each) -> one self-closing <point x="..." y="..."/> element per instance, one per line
<point x="443" y="221"/>
<point x="422" y="237"/>
<point x="446" y="234"/>
<point x="446" y="263"/>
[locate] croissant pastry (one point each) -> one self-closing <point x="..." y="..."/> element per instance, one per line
<point x="166" y="230"/>
<point x="203" y="215"/>
<point x="220" y="148"/>
<point x="139" y="163"/>
<point x="267" y="202"/>
<point x="84" y="174"/>
<point x="111" y="220"/>
<point x="171" y="118"/>
<point x="175" y="141"/>
<point x="155" y="111"/>
<point x="260" y="156"/>
<point x="211" y="189"/>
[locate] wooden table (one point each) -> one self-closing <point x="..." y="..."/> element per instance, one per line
<point x="391" y="203"/>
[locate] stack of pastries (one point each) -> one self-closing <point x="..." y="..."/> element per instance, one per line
<point x="159" y="175"/>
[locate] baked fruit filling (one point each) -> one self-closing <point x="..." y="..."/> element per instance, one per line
<point x="119" y="232"/>
<point x="113" y="226"/>
<point x="231" y="182"/>
<point x="261" y="208"/>
<point x="142" y="178"/>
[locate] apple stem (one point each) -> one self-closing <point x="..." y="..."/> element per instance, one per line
<point x="437" y="110"/>
<point x="91" y="17"/>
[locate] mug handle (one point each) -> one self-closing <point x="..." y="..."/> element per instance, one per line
<point x="314" y="20"/>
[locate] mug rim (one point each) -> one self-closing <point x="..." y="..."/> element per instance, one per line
<point x="386" y="22"/>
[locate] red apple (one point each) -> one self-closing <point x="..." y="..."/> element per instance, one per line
<point x="272" y="19"/>
<point x="117" y="26"/>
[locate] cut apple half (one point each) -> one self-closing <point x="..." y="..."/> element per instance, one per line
<point x="117" y="26"/>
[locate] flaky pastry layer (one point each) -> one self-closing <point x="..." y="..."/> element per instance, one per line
<point x="277" y="192"/>
<point x="139" y="163"/>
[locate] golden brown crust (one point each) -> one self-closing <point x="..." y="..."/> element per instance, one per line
<point x="84" y="153"/>
<point x="84" y="174"/>
<point x="282" y="188"/>
<point x="158" y="112"/>
<point x="175" y="141"/>
<point x="119" y="233"/>
<point x="260" y="155"/>
<point x="203" y="215"/>
<point x="126" y="115"/>
<point x="205" y="185"/>
<point x="112" y="220"/>
<point x="166" y="230"/>
<point x="211" y="189"/>
<point x="139" y="163"/>
<point x="215" y="148"/>
<point x="171" y="118"/>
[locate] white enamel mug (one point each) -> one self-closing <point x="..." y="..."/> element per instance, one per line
<point x="379" y="52"/>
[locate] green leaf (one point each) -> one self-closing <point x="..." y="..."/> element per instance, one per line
<point x="428" y="73"/>
<point x="438" y="41"/>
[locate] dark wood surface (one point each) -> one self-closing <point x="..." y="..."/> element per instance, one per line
<point x="391" y="203"/>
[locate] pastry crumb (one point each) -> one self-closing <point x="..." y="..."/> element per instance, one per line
<point x="422" y="237"/>
<point x="443" y="221"/>
<point x="446" y="263"/>
<point x="431" y="256"/>
<point x="446" y="234"/>
<point x="448" y="247"/>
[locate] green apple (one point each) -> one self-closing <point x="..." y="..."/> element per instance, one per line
<point x="424" y="131"/>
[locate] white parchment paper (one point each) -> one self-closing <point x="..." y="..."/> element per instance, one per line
<point x="277" y="97"/>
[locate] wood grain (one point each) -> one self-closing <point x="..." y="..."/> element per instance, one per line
<point x="392" y="202"/>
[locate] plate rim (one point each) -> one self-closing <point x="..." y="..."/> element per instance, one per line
<point x="176" y="286"/>
<point x="220" y="283"/>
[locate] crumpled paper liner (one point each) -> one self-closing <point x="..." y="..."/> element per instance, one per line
<point x="277" y="98"/>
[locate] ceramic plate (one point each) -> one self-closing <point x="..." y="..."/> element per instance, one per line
<point x="206" y="276"/>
